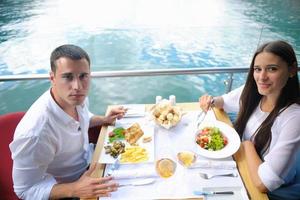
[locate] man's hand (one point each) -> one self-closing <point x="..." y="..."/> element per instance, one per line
<point x="85" y="187"/>
<point x="115" y="113"/>
<point x="88" y="187"/>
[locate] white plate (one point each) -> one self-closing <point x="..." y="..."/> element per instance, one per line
<point x="148" y="130"/>
<point x="229" y="132"/>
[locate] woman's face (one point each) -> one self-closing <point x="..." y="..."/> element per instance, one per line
<point x="270" y="74"/>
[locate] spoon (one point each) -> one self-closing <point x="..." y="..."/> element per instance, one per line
<point x="139" y="182"/>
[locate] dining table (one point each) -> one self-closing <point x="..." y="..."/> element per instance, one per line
<point x="220" y="115"/>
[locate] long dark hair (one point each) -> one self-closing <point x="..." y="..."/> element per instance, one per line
<point x="250" y="97"/>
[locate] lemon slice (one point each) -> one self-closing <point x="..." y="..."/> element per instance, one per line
<point x="186" y="158"/>
<point x="165" y="167"/>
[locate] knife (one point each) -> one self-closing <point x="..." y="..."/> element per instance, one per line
<point x="212" y="193"/>
<point x="140" y="182"/>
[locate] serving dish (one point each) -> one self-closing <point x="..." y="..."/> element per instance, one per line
<point x="233" y="140"/>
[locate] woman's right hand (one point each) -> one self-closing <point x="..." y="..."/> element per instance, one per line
<point x="205" y="102"/>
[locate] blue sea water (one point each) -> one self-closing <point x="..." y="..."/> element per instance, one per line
<point x="132" y="34"/>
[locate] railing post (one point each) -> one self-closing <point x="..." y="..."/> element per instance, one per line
<point x="228" y="83"/>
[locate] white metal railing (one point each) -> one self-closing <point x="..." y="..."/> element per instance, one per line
<point x="144" y="72"/>
<point x="128" y="73"/>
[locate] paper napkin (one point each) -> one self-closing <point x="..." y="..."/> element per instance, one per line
<point x="133" y="173"/>
<point x="214" y="164"/>
<point x="135" y="110"/>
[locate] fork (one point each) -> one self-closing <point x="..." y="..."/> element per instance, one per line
<point x="201" y="116"/>
<point x="210" y="175"/>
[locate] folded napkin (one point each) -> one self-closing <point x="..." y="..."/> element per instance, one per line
<point x="133" y="173"/>
<point x="214" y="164"/>
<point x="134" y="110"/>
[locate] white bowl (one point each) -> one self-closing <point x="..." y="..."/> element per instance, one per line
<point x="166" y="115"/>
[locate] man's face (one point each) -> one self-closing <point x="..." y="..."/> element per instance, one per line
<point x="70" y="82"/>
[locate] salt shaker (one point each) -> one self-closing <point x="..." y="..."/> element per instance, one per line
<point x="158" y="99"/>
<point x="172" y="100"/>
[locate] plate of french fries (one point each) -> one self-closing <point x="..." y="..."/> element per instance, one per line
<point x="131" y="144"/>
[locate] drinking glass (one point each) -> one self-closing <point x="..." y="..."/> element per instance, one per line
<point x="165" y="164"/>
<point x="186" y="158"/>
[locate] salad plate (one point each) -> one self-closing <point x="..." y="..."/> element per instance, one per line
<point x="231" y="140"/>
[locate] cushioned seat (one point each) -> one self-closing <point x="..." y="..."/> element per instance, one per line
<point x="8" y="123"/>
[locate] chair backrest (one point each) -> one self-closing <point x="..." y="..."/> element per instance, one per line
<point x="8" y="123"/>
<point x="94" y="134"/>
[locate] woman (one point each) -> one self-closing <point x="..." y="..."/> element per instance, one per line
<point x="268" y="119"/>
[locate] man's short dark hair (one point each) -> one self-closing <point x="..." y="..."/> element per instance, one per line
<point x="68" y="51"/>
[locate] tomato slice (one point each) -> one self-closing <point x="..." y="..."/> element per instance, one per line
<point x="111" y="134"/>
<point x="205" y="140"/>
<point x="225" y="140"/>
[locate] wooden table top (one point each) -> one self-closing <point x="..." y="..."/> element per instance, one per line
<point x="238" y="156"/>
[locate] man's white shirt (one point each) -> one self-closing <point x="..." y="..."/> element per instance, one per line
<point x="49" y="147"/>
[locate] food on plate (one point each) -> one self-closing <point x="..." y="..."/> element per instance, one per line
<point x="115" y="149"/>
<point x="186" y="158"/>
<point x="133" y="133"/>
<point x="165" y="167"/>
<point x="116" y="134"/>
<point x="134" y="154"/>
<point x="166" y="115"/>
<point x="147" y="139"/>
<point x="211" y="138"/>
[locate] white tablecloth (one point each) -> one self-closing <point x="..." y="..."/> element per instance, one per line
<point x="184" y="181"/>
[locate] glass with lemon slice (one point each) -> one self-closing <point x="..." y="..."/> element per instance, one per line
<point x="186" y="158"/>
<point x="165" y="165"/>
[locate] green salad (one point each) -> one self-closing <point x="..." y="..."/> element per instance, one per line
<point x="116" y="134"/>
<point x="211" y="138"/>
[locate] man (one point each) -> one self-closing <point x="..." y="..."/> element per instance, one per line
<point x="50" y="149"/>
